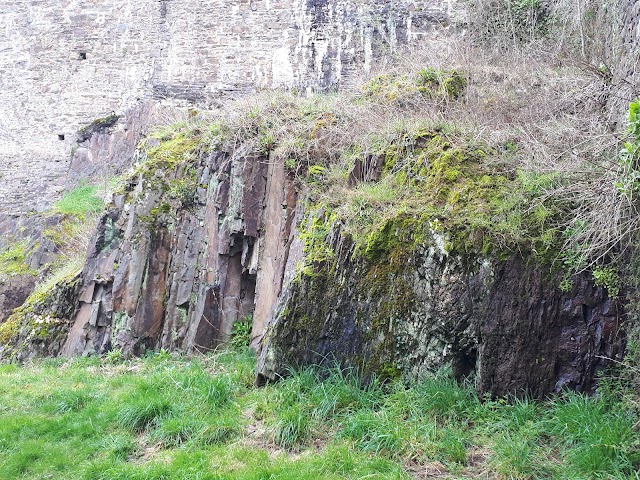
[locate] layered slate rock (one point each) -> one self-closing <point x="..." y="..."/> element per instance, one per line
<point x="175" y="260"/>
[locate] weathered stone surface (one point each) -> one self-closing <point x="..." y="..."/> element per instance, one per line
<point x="193" y="245"/>
<point x="13" y="292"/>
<point x="426" y="310"/>
<point x="532" y="335"/>
<point x="177" y="273"/>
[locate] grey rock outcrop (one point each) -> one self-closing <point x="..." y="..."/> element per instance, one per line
<point x="505" y="321"/>
<point x="40" y="327"/>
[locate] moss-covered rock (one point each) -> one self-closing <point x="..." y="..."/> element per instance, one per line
<point x="440" y="263"/>
<point x="99" y="125"/>
<point x="40" y="326"/>
<point x="429" y="82"/>
<point x="13" y="260"/>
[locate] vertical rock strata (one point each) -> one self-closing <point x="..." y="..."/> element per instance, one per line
<point x="175" y="260"/>
<point x="202" y="236"/>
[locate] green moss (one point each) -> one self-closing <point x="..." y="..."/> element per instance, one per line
<point x="162" y="209"/>
<point x="8" y="330"/>
<point x="313" y="233"/>
<point x="436" y="180"/>
<point x="36" y="320"/>
<point x="404" y="232"/>
<point x="65" y="230"/>
<point x="101" y="123"/>
<point x="169" y="168"/>
<point x="386" y="371"/>
<point x="446" y="84"/>
<point x="13" y="261"/>
<point x="184" y="188"/>
<point x="171" y="153"/>
<point x="98" y="125"/>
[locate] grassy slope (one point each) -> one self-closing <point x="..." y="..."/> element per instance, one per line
<point x="167" y="417"/>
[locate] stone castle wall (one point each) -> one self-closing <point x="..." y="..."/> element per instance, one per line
<point x="629" y="65"/>
<point x="64" y="64"/>
<point x="631" y="31"/>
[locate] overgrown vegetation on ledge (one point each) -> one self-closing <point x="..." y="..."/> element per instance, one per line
<point x="165" y="416"/>
<point x="13" y="260"/>
<point x="467" y="153"/>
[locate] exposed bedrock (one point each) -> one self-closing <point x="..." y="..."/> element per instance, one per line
<point x="202" y="236"/>
<point x="412" y="313"/>
<point x="175" y="260"/>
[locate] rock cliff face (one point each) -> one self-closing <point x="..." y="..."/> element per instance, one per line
<point x="204" y="234"/>
<point x="416" y="312"/>
<point x="69" y="67"/>
<point x="175" y="260"/>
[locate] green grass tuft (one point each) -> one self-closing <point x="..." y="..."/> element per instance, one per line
<point x="80" y="201"/>
<point x="165" y="417"/>
<point x="144" y="409"/>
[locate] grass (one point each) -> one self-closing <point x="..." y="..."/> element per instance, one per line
<point x="80" y="201"/>
<point x="166" y="417"/>
<point x="13" y="260"/>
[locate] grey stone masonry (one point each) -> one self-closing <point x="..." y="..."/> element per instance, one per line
<point x="64" y="64"/>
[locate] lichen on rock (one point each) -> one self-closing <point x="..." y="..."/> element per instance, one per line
<point x="429" y="272"/>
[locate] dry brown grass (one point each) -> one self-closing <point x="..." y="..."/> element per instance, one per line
<point x="541" y="104"/>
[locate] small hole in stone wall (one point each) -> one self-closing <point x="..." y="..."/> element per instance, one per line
<point x="60" y="136"/>
<point x="83" y="55"/>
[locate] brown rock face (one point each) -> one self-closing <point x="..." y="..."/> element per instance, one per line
<point x="191" y="245"/>
<point x="175" y="264"/>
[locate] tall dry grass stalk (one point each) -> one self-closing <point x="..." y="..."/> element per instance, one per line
<point x="535" y="95"/>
